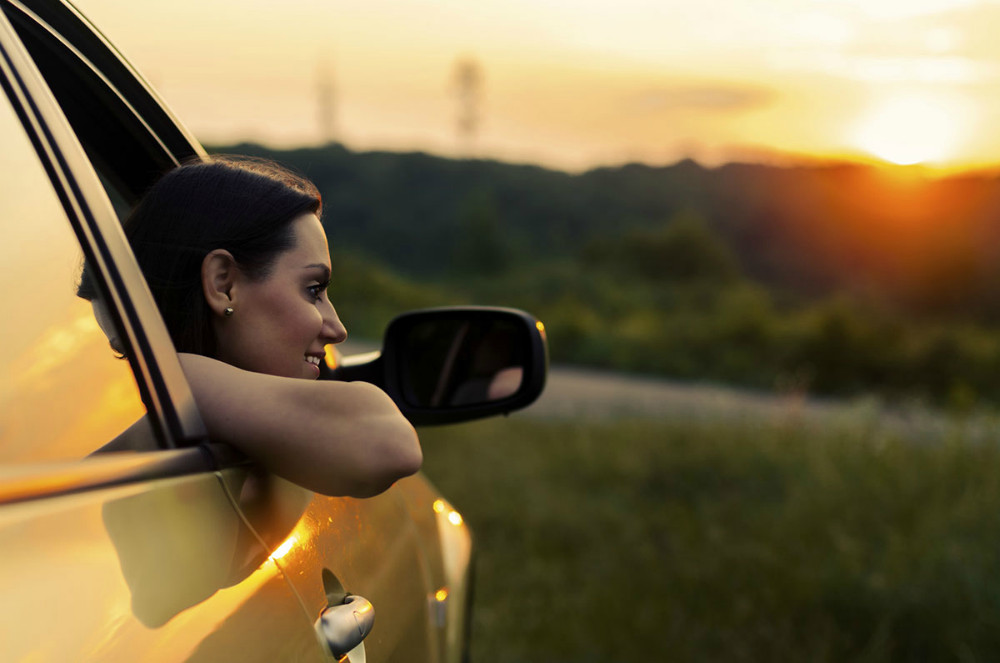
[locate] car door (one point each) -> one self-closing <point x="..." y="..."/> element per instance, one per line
<point x="136" y="554"/>
<point x="326" y="546"/>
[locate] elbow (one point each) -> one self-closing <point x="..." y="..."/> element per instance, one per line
<point x="411" y="456"/>
<point x="398" y="453"/>
<point x="404" y="458"/>
<point x="400" y="457"/>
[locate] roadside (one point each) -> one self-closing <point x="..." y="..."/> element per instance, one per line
<point x="580" y="393"/>
<point x="576" y="393"/>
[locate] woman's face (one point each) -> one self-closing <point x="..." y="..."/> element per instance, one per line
<point x="281" y="324"/>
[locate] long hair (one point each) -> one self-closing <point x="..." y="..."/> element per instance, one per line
<point x="242" y="205"/>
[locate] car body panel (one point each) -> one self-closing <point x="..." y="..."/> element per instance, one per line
<point x="447" y="552"/>
<point x="160" y="571"/>
<point x="375" y="553"/>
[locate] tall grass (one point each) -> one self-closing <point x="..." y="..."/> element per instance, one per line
<point x="738" y="541"/>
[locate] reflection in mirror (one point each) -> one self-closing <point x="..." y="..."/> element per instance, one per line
<point x="454" y="362"/>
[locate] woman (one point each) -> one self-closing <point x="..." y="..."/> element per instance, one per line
<point x="238" y="263"/>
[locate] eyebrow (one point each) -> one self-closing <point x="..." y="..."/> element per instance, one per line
<point x="319" y="265"/>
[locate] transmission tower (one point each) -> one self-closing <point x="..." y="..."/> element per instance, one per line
<point x="468" y="79"/>
<point x="325" y="104"/>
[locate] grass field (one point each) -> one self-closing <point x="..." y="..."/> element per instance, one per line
<point x="645" y="540"/>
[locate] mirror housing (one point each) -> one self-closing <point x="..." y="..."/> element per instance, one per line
<point x="452" y="364"/>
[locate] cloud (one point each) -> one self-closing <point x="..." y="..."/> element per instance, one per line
<point x="720" y="98"/>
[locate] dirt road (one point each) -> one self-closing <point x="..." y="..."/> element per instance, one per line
<point x="588" y="394"/>
<point x="580" y="393"/>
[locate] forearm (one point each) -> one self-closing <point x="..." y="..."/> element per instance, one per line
<point x="331" y="437"/>
<point x="359" y="447"/>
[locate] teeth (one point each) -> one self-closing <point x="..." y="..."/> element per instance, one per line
<point x="313" y="360"/>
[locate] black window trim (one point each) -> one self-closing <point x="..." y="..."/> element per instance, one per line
<point x="72" y="28"/>
<point x="97" y="73"/>
<point x="92" y="63"/>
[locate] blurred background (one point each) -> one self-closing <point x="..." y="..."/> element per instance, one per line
<point x="764" y="238"/>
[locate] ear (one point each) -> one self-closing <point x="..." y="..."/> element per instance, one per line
<point x="219" y="274"/>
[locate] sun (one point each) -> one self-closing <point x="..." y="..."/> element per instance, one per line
<point x="912" y="129"/>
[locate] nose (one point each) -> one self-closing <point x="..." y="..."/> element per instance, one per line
<point x="333" y="330"/>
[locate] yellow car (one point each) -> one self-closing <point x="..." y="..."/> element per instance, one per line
<point x="186" y="552"/>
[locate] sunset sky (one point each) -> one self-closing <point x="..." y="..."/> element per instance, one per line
<point x="578" y="83"/>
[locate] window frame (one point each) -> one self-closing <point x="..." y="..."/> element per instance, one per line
<point x="145" y="128"/>
<point x="163" y="388"/>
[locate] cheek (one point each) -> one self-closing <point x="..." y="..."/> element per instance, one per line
<point x="303" y="320"/>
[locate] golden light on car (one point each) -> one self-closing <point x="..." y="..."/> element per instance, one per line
<point x="284" y="548"/>
<point x="439" y="607"/>
<point x="454" y="517"/>
<point x="331" y="356"/>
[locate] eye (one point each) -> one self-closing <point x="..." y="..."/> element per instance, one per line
<point x="316" y="291"/>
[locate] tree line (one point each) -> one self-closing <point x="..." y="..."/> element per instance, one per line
<point x="830" y="279"/>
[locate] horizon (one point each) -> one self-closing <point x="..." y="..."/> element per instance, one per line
<point x="578" y="85"/>
<point x="914" y="172"/>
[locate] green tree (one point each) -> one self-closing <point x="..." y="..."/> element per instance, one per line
<point x="481" y="248"/>
<point x="683" y="250"/>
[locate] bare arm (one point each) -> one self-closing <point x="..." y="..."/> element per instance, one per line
<point x="335" y="438"/>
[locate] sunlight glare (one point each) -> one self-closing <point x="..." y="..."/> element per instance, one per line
<point x="284" y="548"/>
<point x="822" y="28"/>
<point x="897" y="9"/>
<point x="911" y="129"/>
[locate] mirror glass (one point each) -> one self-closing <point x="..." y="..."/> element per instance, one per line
<point x="462" y="360"/>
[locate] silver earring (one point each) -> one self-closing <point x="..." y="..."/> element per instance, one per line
<point x="229" y="311"/>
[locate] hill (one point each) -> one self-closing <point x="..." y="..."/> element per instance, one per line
<point x="833" y="279"/>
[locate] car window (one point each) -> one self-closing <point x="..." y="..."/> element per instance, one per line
<point x="64" y="392"/>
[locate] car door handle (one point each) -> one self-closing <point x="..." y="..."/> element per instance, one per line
<point x="342" y="627"/>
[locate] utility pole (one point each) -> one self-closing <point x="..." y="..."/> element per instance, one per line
<point x="325" y="104"/>
<point x="468" y="81"/>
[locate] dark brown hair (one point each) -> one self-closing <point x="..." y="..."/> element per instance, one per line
<point x="242" y="205"/>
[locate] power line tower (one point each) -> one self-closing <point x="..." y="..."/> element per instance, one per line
<point x="325" y="104"/>
<point x="468" y="83"/>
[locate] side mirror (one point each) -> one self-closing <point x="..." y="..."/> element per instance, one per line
<point x="446" y="365"/>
